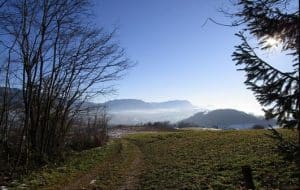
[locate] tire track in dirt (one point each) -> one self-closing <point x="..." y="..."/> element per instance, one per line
<point x="131" y="176"/>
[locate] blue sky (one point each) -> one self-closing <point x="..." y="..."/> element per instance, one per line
<point x="177" y="57"/>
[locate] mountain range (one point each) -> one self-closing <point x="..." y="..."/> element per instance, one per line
<point x="134" y="111"/>
<point x="135" y="104"/>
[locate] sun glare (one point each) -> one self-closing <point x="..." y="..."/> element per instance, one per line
<point x="272" y="42"/>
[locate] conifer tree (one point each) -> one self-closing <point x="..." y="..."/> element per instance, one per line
<point x="277" y="91"/>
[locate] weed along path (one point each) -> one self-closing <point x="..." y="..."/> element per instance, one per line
<point x="121" y="170"/>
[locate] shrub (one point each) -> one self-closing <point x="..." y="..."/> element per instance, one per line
<point x="257" y="126"/>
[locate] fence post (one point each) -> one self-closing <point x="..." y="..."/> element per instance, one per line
<point x="247" y="173"/>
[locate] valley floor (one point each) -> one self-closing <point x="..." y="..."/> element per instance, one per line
<point x="172" y="160"/>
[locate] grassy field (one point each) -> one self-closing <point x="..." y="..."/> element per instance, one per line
<point x="211" y="160"/>
<point x="171" y="160"/>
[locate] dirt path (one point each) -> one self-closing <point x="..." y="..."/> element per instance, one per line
<point x="133" y="174"/>
<point x="83" y="182"/>
<point x="130" y="175"/>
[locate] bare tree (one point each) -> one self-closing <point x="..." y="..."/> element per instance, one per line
<point x="57" y="58"/>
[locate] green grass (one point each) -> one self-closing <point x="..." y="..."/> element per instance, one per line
<point x="211" y="160"/>
<point x="175" y="160"/>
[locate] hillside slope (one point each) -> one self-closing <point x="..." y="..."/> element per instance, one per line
<point x="226" y="118"/>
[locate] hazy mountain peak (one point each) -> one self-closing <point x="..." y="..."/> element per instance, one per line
<point x="133" y="111"/>
<point x="226" y="118"/>
<point x="136" y="104"/>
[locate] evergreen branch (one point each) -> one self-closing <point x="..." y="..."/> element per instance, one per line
<point x="246" y="48"/>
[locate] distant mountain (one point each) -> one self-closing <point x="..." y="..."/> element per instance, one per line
<point x="174" y="104"/>
<point x="134" y="111"/>
<point x="135" y="104"/>
<point x="226" y="118"/>
<point x="126" y="111"/>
